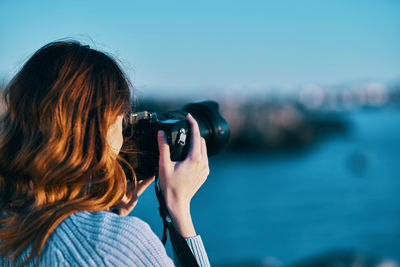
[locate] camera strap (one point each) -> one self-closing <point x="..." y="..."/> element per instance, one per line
<point x="179" y="244"/>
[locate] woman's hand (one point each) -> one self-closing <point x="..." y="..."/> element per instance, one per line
<point x="179" y="181"/>
<point x="130" y="199"/>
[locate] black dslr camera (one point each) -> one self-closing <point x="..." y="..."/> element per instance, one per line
<point x="140" y="146"/>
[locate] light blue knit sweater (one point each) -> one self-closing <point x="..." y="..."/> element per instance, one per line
<point x="106" y="239"/>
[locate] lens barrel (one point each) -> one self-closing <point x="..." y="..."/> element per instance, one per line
<point x="213" y="127"/>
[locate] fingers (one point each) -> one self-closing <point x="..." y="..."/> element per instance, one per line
<point x="195" y="148"/>
<point x="204" y="155"/>
<point x="143" y="184"/>
<point x="128" y="202"/>
<point x="163" y="148"/>
<point x="203" y="148"/>
<point x="130" y="198"/>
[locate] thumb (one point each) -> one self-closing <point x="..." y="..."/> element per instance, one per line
<point x="164" y="149"/>
<point x="143" y="184"/>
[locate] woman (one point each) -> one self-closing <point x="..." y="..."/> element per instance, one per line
<point x="60" y="172"/>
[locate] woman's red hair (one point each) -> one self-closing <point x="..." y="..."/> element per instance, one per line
<point x="54" y="156"/>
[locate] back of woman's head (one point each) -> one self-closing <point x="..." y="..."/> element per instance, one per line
<point x="54" y="154"/>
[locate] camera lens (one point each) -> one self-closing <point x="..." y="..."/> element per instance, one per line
<point x="213" y="127"/>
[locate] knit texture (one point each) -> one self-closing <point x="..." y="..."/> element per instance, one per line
<point x="106" y="239"/>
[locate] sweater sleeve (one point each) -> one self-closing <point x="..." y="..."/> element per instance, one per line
<point x="196" y="246"/>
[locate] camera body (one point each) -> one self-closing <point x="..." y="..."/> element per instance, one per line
<point x="140" y="146"/>
<point x="140" y="139"/>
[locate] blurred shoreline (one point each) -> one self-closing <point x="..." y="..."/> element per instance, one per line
<point x="269" y="122"/>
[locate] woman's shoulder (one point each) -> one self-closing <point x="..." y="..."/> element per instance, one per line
<point x="103" y="223"/>
<point x="106" y="238"/>
<point x="102" y="228"/>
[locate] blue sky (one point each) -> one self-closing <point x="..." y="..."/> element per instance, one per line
<point x="195" y="45"/>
